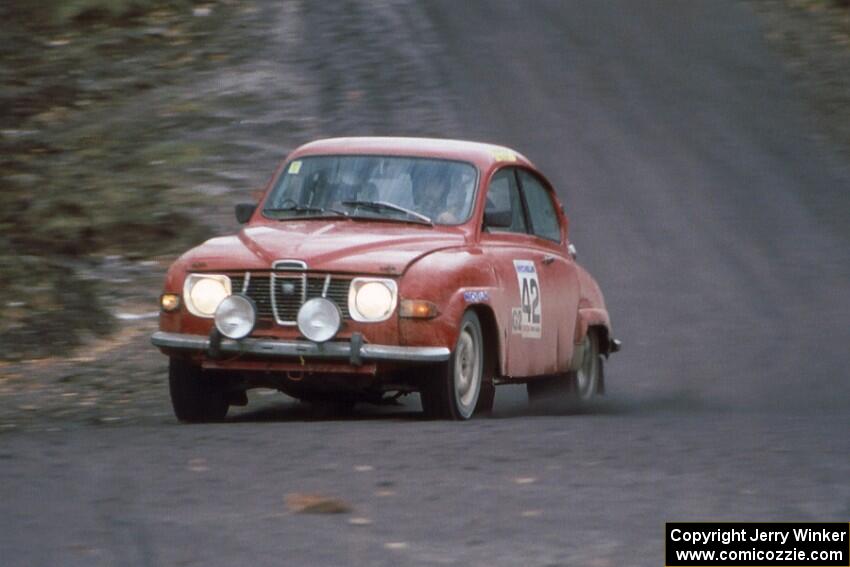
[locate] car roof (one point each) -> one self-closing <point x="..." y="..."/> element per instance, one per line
<point x="481" y="154"/>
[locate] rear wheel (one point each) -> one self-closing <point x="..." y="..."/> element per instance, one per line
<point x="454" y="392"/>
<point x="195" y="395"/>
<point x="577" y="387"/>
<point x="587" y="377"/>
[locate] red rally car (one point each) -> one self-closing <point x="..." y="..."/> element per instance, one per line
<point x="376" y="267"/>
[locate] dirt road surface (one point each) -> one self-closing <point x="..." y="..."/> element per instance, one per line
<point x="700" y="195"/>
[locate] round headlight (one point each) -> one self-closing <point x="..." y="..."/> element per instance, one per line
<point x="373" y="301"/>
<point x="319" y="319"/>
<point x="235" y="317"/>
<point x="205" y="293"/>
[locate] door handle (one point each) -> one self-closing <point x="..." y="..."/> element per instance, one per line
<point x="548" y="259"/>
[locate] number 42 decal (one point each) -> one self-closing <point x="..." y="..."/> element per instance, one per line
<point x="526" y="320"/>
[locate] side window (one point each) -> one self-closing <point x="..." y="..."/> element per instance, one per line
<point x="503" y="195"/>
<point x="541" y="209"/>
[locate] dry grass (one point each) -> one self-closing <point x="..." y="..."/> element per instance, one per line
<point x="814" y="38"/>
<point x="82" y="172"/>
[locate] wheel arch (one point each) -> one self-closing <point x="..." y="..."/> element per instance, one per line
<point x="603" y="334"/>
<point x="492" y="345"/>
<point x="592" y="319"/>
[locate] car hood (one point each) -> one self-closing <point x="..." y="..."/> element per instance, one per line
<point x="333" y="246"/>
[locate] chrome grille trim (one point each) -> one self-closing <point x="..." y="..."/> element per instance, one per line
<point x="264" y="288"/>
<point x="297" y="266"/>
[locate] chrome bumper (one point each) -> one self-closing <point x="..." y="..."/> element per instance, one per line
<point x="304" y="349"/>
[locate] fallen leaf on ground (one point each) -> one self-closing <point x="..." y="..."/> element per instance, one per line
<point x="301" y="503"/>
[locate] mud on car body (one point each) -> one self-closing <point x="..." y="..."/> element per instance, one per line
<point x="377" y="267"/>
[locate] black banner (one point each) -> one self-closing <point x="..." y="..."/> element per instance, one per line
<point x="758" y="544"/>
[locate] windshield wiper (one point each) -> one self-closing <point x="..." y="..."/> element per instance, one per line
<point x="305" y="209"/>
<point x="385" y="206"/>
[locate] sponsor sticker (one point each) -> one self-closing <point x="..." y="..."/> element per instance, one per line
<point x="503" y="154"/>
<point x="476" y="296"/>
<point x="526" y="319"/>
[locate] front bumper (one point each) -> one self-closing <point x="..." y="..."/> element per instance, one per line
<point x="354" y="351"/>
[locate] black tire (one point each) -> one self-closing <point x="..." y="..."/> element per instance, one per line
<point x="486" y="398"/>
<point x="195" y="396"/>
<point x="586" y="381"/>
<point x="452" y="391"/>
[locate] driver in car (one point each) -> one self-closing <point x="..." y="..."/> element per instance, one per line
<point x="444" y="203"/>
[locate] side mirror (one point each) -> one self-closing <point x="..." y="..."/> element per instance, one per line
<point x="244" y="212"/>
<point x="497" y="219"/>
<point x="571" y="249"/>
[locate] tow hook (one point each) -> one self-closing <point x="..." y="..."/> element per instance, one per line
<point x="214" y="350"/>
<point x="356" y="343"/>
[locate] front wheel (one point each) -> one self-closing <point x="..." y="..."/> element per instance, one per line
<point x="453" y="393"/>
<point x="195" y="396"/>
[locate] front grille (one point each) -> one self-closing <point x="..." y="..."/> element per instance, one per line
<point x="279" y="294"/>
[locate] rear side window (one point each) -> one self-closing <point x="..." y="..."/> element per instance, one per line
<point x="504" y="196"/>
<point x="541" y="209"/>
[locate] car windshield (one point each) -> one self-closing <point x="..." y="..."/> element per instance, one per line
<point x="394" y="188"/>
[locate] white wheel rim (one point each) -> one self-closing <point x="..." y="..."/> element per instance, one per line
<point x="467" y="371"/>
<point x="586" y="375"/>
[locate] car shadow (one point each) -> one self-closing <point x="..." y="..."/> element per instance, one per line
<point x="292" y="410"/>
<point x="511" y="403"/>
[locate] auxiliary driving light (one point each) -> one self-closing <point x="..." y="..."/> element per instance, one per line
<point x="235" y="317"/>
<point x="319" y="319"/>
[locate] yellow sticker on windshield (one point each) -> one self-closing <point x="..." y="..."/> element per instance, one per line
<point x="295" y="167"/>
<point x="503" y="154"/>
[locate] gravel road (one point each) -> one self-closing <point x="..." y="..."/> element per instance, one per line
<point x="700" y="195"/>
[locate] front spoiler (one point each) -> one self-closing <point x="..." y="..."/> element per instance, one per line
<point x="354" y="351"/>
